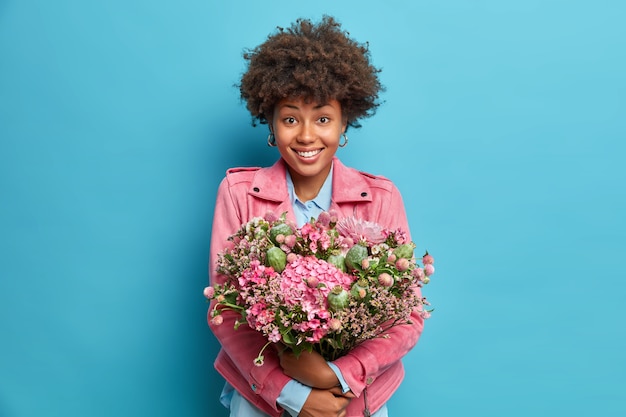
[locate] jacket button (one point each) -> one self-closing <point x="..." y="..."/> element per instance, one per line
<point x="369" y="380"/>
<point x="363" y="194"/>
<point x="253" y="387"/>
<point x="256" y="189"/>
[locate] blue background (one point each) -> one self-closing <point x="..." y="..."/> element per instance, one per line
<point x="503" y="125"/>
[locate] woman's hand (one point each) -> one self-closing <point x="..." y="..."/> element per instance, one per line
<point x="309" y="368"/>
<point x="326" y="403"/>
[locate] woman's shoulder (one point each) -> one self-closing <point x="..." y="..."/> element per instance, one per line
<point x="372" y="180"/>
<point x="379" y="182"/>
<point x="374" y="177"/>
<point x="259" y="177"/>
<point x="241" y="174"/>
<point x="238" y="175"/>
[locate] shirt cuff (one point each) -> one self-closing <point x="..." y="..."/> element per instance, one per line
<point x="344" y="385"/>
<point x="293" y="396"/>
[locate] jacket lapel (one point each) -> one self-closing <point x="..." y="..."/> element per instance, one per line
<point x="270" y="184"/>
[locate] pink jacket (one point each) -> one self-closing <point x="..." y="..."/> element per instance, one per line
<point x="375" y="364"/>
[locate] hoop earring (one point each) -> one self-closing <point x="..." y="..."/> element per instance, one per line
<point x="271" y="140"/>
<point x="345" y="140"/>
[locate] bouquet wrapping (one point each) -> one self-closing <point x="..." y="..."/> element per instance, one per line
<point x="327" y="286"/>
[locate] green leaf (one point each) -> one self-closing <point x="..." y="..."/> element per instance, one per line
<point x="288" y="339"/>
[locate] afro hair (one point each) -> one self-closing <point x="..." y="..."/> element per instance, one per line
<point x="318" y="62"/>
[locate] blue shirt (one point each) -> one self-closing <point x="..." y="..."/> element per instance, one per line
<point x="305" y="210"/>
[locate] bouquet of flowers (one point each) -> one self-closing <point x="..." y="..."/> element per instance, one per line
<point x="327" y="286"/>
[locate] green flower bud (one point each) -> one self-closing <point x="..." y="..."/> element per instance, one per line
<point x="338" y="299"/>
<point x="277" y="259"/>
<point x="338" y="261"/>
<point x="279" y="229"/>
<point x="359" y="289"/>
<point x="355" y="256"/>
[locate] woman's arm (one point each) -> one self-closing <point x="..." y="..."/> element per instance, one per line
<point x="309" y="368"/>
<point x="366" y="362"/>
<point x="244" y="344"/>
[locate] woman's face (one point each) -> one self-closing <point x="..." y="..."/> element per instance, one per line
<point x="307" y="135"/>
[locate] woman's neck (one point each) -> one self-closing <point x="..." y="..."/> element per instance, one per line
<point x="307" y="188"/>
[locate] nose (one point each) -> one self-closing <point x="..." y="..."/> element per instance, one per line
<point x="307" y="133"/>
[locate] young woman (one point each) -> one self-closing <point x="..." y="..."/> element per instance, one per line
<point x="309" y="83"/>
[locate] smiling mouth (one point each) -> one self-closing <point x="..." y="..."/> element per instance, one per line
<point x="309" y="154"/>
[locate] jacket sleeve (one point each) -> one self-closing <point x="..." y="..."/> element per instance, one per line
<point x="244" y="344"/>
<point x="363" y="364"/>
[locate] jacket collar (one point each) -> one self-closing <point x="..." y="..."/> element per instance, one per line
<point x="348" y="184"/>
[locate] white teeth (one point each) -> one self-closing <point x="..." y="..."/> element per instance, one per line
<point x="309" y="153"/>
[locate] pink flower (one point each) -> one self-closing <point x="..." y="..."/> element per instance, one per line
<point x="325" y="241"/>
<point x="313" y="324"/>
<point x="324" y="219"/>
<point x="318" y="334"/>
<point x="290" y="240"/>
<point x="402" y="264"/>
<point x="257" y="309"/>
<point x="295" y="291"/>
<point x="361" y="230"/>
<point x="209" y="292"/>
<point x="306" y="229"/>
<point x="418" y="273"/>
<point x="428" y="259"/>
<point x="217" y="320"/>
<point x="274" y="336"/>
<point x="270" y="216"/>
<point x="335" y="324"/>
<point x="385" y="280"/>
<point x="429" y="269"/>
<point x="334" y="216"/>
<point x="401" y="237"/>
<point x="312" y="282"/>
<point x="323" y="314"/>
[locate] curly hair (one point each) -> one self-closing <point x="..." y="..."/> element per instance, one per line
<point x="318" y="62"/>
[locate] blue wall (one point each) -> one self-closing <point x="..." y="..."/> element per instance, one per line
<point x="504" y="127"/>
